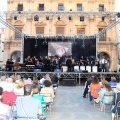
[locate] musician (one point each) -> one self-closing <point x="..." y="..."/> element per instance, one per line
<point x="103" y="62"/>
<point x="34" y="60"/>
<point x="81" y="63"/>
<point x="88" y="63"/>
<point x="55" y="62"/>
<point x="69" y="63"/>
<point x="48" y="64"/>
<point x="45" y="63"/>
<point x="7" y="65"/>
<point x="59" y="62"/>
<point x="29" y="61"/>
<point x="92" y="60"/>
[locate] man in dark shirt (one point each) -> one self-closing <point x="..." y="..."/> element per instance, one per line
<point x="68" y="63"/>
<point x="87" y="85"/>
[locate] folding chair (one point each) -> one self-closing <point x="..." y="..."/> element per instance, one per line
<point x="108" y="96"/>
<point x="116" y="113"/>
<point x="48" y="99"/>
<point x="95" y="91"/>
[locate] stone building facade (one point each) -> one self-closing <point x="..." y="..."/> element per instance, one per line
<point x="62" y="17"/>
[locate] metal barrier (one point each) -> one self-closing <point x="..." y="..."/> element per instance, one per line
<point x="62" y="75"/>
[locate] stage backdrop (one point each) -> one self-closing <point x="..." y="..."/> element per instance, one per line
<point x="76" y="47"/>
<point x="59" y="48"/>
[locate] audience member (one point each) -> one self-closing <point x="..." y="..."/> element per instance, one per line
<point x="9" y="96"/>
<point x="48" y="90"/>
<point x="26" y="81"/>
<point x="106" y="90"/>
<point x="18" y="78"/>
<point x="115" y="102"/>
<point x="28" y="107"/>
<point x="94" y="87"/>
<point x="36" y="94"/>
<point x="48" y="77"/>
<point x="19" y="89"/>
<point x="5" y="110"/>
<point x="87" y="86"/>
<point x="3" y="83"/>
<point x="42" y="80"/>
<point x="113" y="82"/>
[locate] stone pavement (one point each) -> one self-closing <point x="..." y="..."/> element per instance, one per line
<point x="70" y="105"/>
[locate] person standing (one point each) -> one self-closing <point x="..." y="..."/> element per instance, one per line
<point x="103" y="62"/>
<point x="68" y="63"/>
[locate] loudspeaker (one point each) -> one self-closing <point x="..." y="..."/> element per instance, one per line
<point x="69" y="82"/>
<point x="103" y="18"/>
<point x="47" y="17"/>
<point x="81" y="18"/>
<point x="36" y="18"/>
<point x="15" y="17"/>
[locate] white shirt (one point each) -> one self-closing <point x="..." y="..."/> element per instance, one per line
<point x="42" y="81"/>
<point x="103" y="61"/>
<point x="5" y="111"/>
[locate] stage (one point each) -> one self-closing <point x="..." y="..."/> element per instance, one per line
<point x="78" y="77"/>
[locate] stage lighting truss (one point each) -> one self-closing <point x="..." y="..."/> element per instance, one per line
<point x="90" y="14"/>
<point x="68" y="37"/>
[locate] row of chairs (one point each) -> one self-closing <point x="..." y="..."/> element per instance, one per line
<point x="47" y="106"/>
<point x="117" y="116"/>
<point x="105" y="95"/>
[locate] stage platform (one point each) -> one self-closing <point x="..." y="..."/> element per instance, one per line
<point x="67" y="75"/>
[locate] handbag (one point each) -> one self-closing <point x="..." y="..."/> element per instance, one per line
<point x="29" y="118"/>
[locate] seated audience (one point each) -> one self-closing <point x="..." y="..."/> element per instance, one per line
<point x="106" y="90"/>
<point x="42" y="80"/>
<point x="36" y="94"/>
<point x="10" y="81"/>
<point x="26" y="80"/>
<point x="3" y="82"/>
<point x="31" y="106"/>
<point x="8" y="96"/>
<point x="113" y="82"/>
<point x="5" y="110"/>
<point x="18" y="78"/>
<point x="94" y="88"/>
<point x="87" y="86"/>
<point x="19" y="89"/>
<point x="115" y="102"/>
<point x="48" y="91"/>
<point x="48" y="77"/>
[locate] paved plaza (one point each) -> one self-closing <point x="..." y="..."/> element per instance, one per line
<point x="70" y="105"/>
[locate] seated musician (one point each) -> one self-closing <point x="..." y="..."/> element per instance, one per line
<point x="88" y="63"/>
<point x="81" y="63"/>
<point x="29" y="61"/>
<point x="9" y="65"/>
